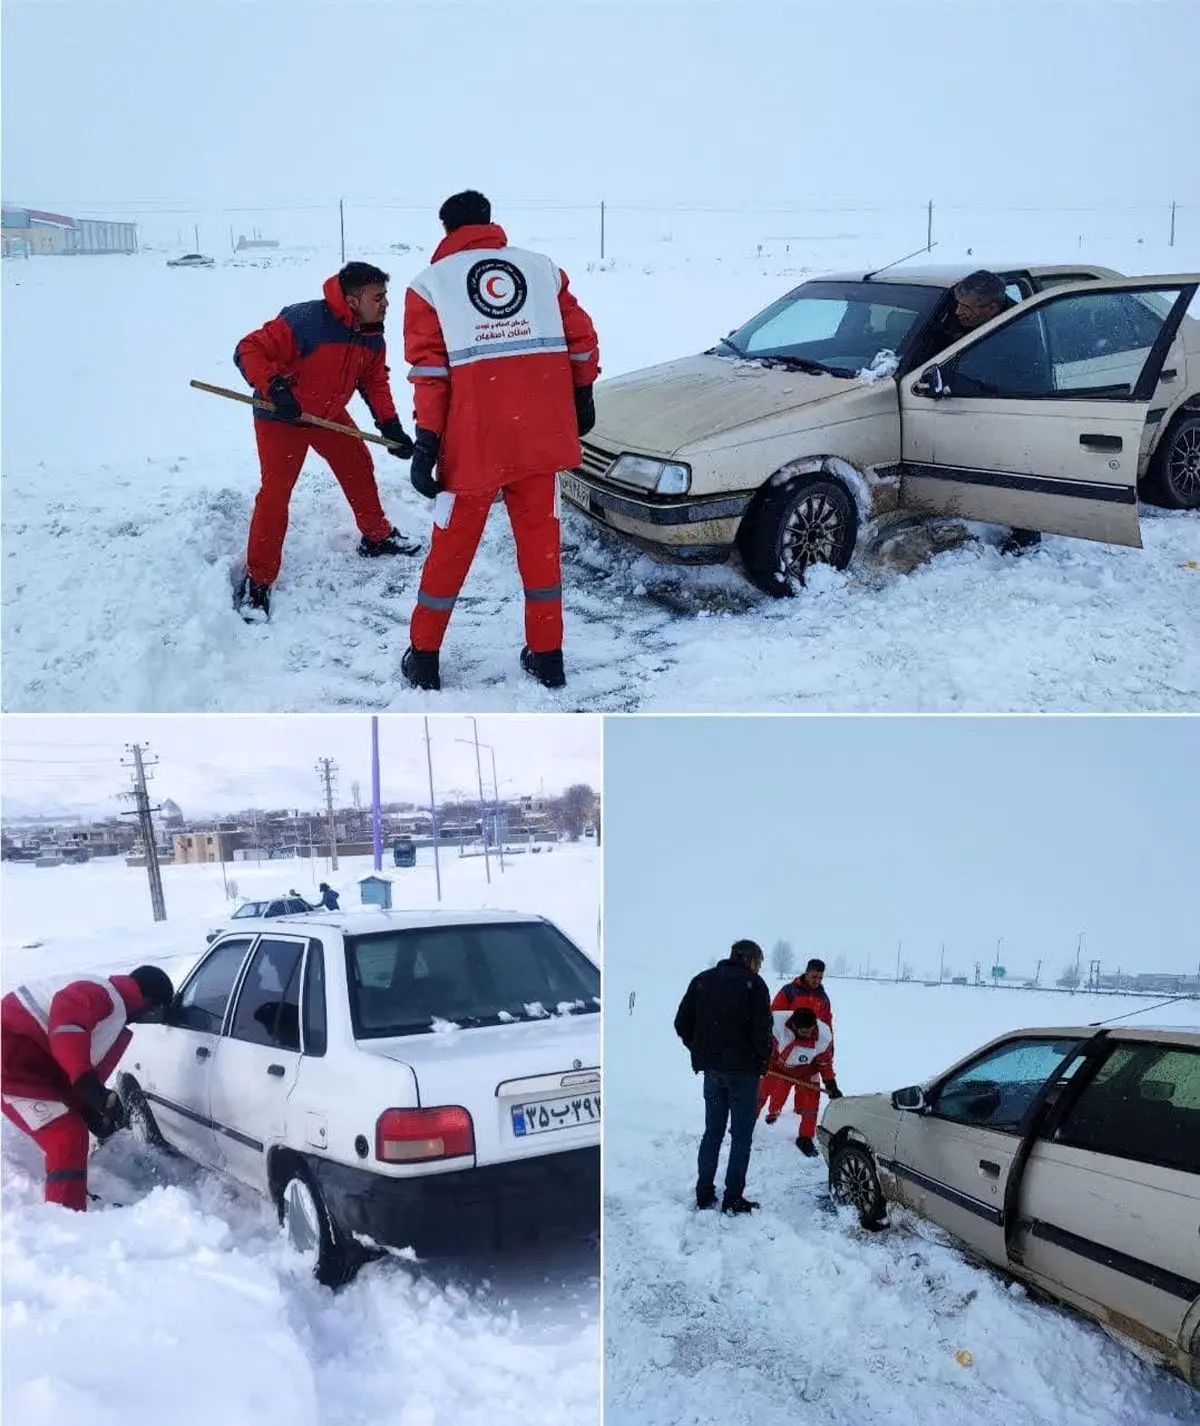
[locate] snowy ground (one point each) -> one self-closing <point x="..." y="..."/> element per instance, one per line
<point x="186" y="1304"/>
<point x="796" y="1314"/>
<point x="127" y="497"/>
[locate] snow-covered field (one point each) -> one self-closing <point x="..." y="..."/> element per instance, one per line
<point x="185" y="1305"/>
<point x="127" y="497"/>
<point x="796" y="1314"/>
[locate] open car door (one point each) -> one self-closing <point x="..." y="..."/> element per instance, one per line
<point x="1036" y="420"/>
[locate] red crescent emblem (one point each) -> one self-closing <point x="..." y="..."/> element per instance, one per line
<point x="490" y="289"/>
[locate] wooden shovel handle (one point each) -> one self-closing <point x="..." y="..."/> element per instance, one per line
<point x="305" y="420"/>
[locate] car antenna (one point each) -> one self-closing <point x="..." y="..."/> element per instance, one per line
<point x="1175" y="1000"/>
<point x="867" y="276"/>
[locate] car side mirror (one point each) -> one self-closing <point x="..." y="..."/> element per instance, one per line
<point x="932" y="384"/>
<point x="911" y="1099"/>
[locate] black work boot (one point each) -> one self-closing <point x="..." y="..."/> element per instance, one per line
<point x="546" y="668"/>
<point x="806" y="1146"/>
<point x="706" y="1198"/>
<point x="738" y="1205"/>
<point x="421" y="669"/>
<point x="253" y="601"/>
<point x="393" y="543"/>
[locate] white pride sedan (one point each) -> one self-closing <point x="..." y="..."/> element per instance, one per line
<point x="406" y="1080"/>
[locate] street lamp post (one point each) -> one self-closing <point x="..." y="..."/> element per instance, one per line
<point x="495" y="791"/>
<point x="487" y="863"/>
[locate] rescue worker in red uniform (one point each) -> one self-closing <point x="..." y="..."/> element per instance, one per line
<point x="310" y="360"/>
<point x="807" y="991"/>
<point x="802" y="1059"/>
<point x="59" y="1042"/>
<point x="502" y="360"/>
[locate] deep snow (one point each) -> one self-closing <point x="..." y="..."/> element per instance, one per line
<point x="796" y="1314"/>
<point x="185" y="1304"/>
<point x="127" y="497"/>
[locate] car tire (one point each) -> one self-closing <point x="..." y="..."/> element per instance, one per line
<point x="854" y="1181"/>
<point x="1173" y="480"/>
<point x="333" y="1256"/>
<point x="810" y="520"/>
<point x="141" y="1117"/>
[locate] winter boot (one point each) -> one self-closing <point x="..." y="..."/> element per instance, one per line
<point x="706" y="1198"/>
<point x="806" y="1147"/>
<point x="253" y="601"/>
<point x="738" y="1205"/>
<point x="421" y="669"/>
<point x="393" y="543"/>
<point x="546" y="668"/>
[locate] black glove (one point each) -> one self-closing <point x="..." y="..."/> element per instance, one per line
<point x="283" y="398"/>
<point x="832" y="1090"/>
<point x="402" y="446"/>
<point x="585" y="409"/>
<point x="100" y="1108"/>
<point x="424" y="458"/>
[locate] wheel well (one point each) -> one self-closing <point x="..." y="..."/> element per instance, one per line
<point x="281" y="1163"/>
<point x="820" y="467"/>
<point x="1190" y="408"/>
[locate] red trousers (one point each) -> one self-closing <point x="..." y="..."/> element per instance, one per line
<point x="533" y="513"/>
<point x="281" y="452"/>
<point x="806" y="1100"/>
<point x="64" y="1142"/>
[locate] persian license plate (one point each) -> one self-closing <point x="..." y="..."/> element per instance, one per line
<point x="542" y="1116"/>
<point x="575" y="490"/>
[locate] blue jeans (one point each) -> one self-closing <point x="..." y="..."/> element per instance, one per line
<point x="729" y="1099"/>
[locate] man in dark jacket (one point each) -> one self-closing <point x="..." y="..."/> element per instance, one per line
<point x="724" y="1019"/>
<point x="329" y="897"/>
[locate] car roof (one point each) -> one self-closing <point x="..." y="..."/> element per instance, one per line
<point x="1159" y="1034"/>
<point x="362" y="920"/>
<point x="948" y="274"/>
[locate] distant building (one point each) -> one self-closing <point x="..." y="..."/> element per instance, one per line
<point x="30" y="232"/>
<point x="192" y="848"/>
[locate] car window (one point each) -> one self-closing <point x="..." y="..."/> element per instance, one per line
<point x="268" y="1004"/>
<point x="1144" y="1104"/>
<point x="274" y="909"/>
<point x="315" y="1033"/>
<point x="413" y="982"/>
<point x="203" y="999"/>
<point x="296" y="908"/>
<point x="997" y="1091"/>
<point x="251" y="908"/>
<point x="797" y="324"/>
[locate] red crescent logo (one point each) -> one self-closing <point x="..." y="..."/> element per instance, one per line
<point x="490" y="289"/>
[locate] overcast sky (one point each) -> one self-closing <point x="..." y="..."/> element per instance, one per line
<point x="847" y="835"/>
<point x="228" y="762"/>
<point x="255" y="102"/>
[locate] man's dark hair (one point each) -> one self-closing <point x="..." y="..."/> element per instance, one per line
<point x="815" y="964"/>
<point x="746" y="951"/>
<point x="984" y="286"/>
<point x="357" y="275"/>
<point x="465" y="209"/>
<point x="801" y="1019"/>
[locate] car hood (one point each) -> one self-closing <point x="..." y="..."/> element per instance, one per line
<point x="661" y="410"/>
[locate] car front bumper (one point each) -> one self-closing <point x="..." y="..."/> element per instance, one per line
<point x="498" y="1206"/>
<point x="683" y="529"/>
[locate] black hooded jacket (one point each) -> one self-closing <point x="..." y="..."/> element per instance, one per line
<point x="724" y="1019"/>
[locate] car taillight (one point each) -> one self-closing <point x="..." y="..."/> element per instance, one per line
<point x="404" y="1136"/>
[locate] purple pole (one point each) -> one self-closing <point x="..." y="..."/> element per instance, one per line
<point x="376" y="818"/>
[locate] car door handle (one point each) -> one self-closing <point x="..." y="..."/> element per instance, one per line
<point x="202" y="1052"/>
<point x="1168" y="375"/>
<point x="990" y="1169"/>
<point x="276" y="1070"/>
<point x="1101" y="443"/>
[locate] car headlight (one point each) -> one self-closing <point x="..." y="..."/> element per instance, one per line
<point x="663" y="477"/>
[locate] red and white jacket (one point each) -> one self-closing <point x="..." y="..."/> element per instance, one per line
<point x="54" y="1031"/>
<point x="805" y="1058"/>
<point x="496" y="344"/>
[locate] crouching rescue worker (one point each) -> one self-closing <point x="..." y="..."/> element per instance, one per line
<point x="802" y="1059"/>
<point x="309" y="361"/>
<point x="59" y="1042"/>
<point x="502" y="358"/>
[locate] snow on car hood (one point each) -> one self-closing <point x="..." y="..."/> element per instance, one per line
<point x="661" y="409"/>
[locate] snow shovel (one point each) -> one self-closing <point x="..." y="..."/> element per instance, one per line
<point x="305" y="420"/>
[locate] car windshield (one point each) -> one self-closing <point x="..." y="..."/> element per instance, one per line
<point x="463" y="977"/>
<point x="842" y="328"/>
<point x="251" y="908"/>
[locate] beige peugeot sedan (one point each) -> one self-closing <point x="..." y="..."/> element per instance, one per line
<point x="1068" y="1157"/>
<point x="832" y="417"/>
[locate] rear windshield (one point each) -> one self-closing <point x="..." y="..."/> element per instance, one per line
<point x="462" y="977"/>
<point x="251" y="908"/>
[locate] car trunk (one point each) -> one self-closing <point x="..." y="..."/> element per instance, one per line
<point x="531" y="1088"/>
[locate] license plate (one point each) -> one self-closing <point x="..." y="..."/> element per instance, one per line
<point x="575" y="490"/>
<point x="542" y="1116"/>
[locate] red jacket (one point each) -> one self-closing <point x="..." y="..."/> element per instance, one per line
<point x="805" y="1057"/>
<point x="317" y="347"/>
<point x="795" y="994"/>
<point x="52" y="1032"/>
<point x="497" y="343"/>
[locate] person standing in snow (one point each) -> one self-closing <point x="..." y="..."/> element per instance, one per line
<point x="59" y="1042"/>
<point x="802" y="1059"/>
<point x="310" y="360"/>
<point x="502" y="360"/>
<point x="807" y="991"/>
<point x="724" y="1020"/>
<point x="329" y="897"/>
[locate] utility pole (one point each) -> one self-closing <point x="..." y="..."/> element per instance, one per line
<point x="1078" y="953"/>
<point x="144" y="813"/>
<point x="898" y="945"/>
<point x="1172" y="242"/>
<point x="376" y="814"/>
<point x="197" y="237"/>
<point x="929" y="229"/>
<point x="942" y="964"/>
<point x="437" y="866"/>
<point x="487" y="864"/>
<point x="602" y="230"/>
<point x="977" y="968"/>
<point x="327" y="769"/>
<point x="342" y="224"/>
<point x="1037" y="975"/>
